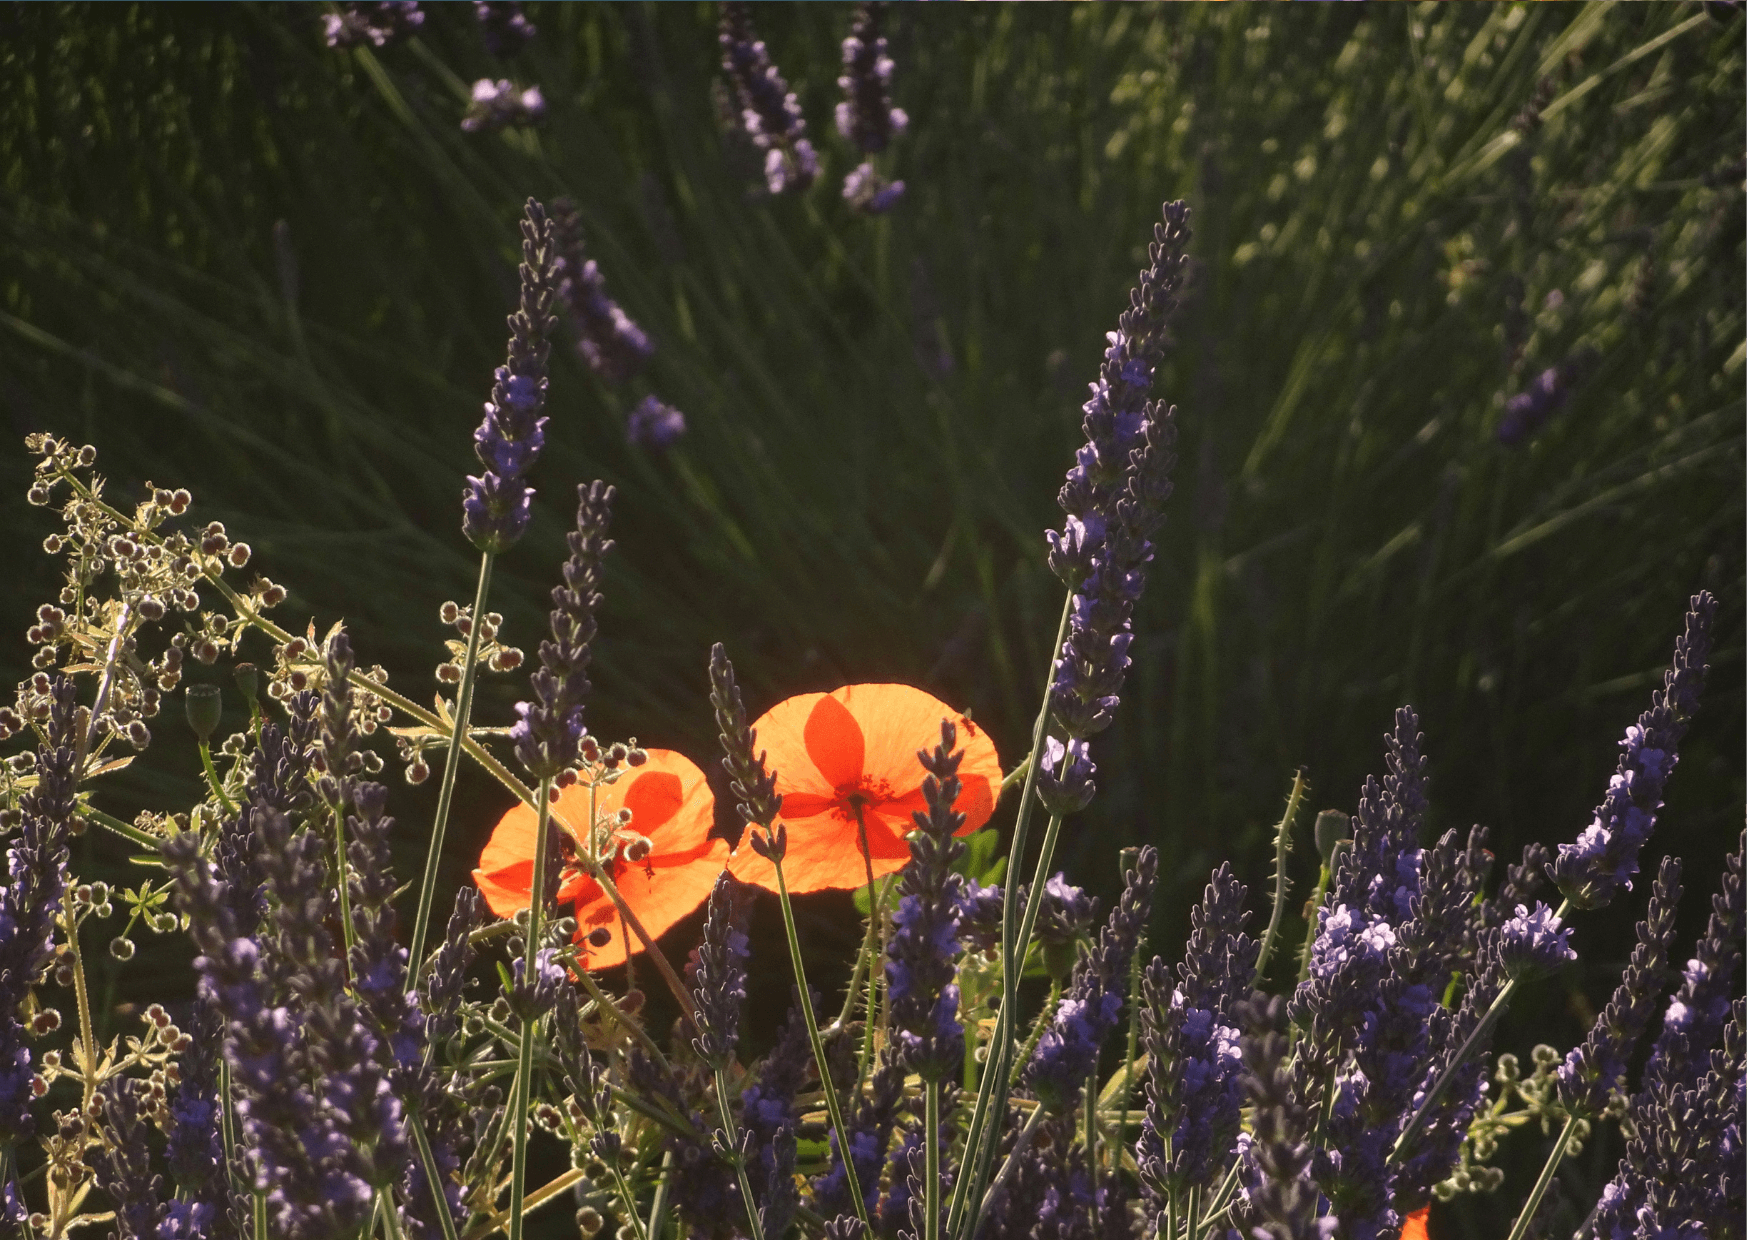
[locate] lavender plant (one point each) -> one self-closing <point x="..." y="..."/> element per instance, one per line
<point x="329" y="1082"/>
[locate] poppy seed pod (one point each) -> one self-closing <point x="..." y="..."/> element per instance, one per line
<point x="204" y="705"/>
<point x="1331" y="830"/>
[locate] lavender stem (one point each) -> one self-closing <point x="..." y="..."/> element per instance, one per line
<point x="1519" y="1228"/>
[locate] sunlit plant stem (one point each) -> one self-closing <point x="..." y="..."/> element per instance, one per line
<point x="451" y="765"/>
<point x="521" y="1089"/>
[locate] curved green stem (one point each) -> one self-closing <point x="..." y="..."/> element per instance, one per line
<point x="212" y="779"/>
<point x="451" y="765"/>
<point x="1283" y="844"/>
<point x="932" y="1160"/>
<point x="1524" y="1216"/>
<point x="833" y="1108"/>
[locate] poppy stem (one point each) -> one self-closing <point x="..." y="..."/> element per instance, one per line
<point x="990" y="1111"/>
<point x="876" y="932"/>
<point x="832" y="1106"/>
<point x="598" y="872"/>
<point x="451" y="767"/>
<point x="522" y="1088"/>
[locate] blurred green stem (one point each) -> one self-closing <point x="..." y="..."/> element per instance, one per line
<point x="433" y="1176"/>
<point x="832" y="1105"/>
<point x="522" y="1089"/>
<point x="451" y="765"/>
<point x="932" y="1160"/>
<point x="733" y="1152"/>
<point x="212" y="778"/>
<point x="992" y="1090"/>
<point x="1555" y="1157"/>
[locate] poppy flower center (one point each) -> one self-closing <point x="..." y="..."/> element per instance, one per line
<point x="853" y="798"/>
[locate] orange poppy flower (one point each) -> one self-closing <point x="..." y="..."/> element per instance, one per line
<point x="670" y="807"/>
<point x="1414" y="1226"/>
<point x="855" y="749"/>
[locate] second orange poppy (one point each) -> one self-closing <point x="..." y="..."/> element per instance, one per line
<point x="850" y="753"/>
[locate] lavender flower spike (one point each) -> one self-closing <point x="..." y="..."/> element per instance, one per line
<point x="1113" y="494"/>
<point x="924" y="949"/>
<point x="718" y="974"/>
<point x="609" y="342"/>
<point x="1604" y="858"/>
<point x="378" y="24"/>
<point x="768" y="107"/>
<point x="493" y="105"/>
<point x="1069" y="1048"/>
<point x="503" y="25"/>
<point x="36" y="866"/>
<point x="548" y="729"/>
<point x="1534" y="940"/>
<point x="1599" y="1066"/>
<point x="654" y="425"/>
<point x="1701" y="1004"/>
<point x="495" y="505"/>
<point x="866" y="116"/>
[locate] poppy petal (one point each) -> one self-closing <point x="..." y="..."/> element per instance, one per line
<point x="825" y="854"/>
<point x="834" y="742"/>
<point x="671" y="806"/>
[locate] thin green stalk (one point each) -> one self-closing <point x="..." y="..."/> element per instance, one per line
<point x="1021" y="1141"/>
<point x="1037" y="1033"/>
<point x="832" y="1106"/>
<point x="261" y="1214"/>
<point x="1283" y="845"/>
<point x="658" y="1206"/>
<point x="433" y="1177"/>
<point x="212" y="779"/>
<point x="1486" y="1023"/>
<point x="1090" y="1105"/>
<point x="876" y="936"/>
<point x="126" y="830"/>
<point x="732" y="1150"/>
<point x="522" y="1090"/>
<point x="1311" y="929"/>
<point x="1555" y="1157"/>
<point x="123" y="619"/>
<point x="227" y="1122"/>
<point x="451" y="766"/>
<point x="1223" y="1194"/>
<point x="1130" y="1047"/>
<point x="1005" y="1047"/>
<point x="391" y="1220"/>
<point x="932" y="1159"/>
<point x="624" y="1191"/>
<point x="984" y="1117"/>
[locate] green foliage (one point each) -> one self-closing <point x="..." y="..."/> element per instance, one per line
<point x="237" y="261"/>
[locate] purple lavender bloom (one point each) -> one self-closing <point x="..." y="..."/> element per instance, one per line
<point x="870" y="1138"/>
<point x="1529" y="410"/>
<point x="123" y="1166"/>
<point x="717" y="972"/>
<point x="1534" y="940"/>
<point x="1068" y="1051"/>
<point x="1193" y="1045"/>
<point x="1380" y="874"/>
<point x="654" y="426"/>
<point x="503" y="25"/>
<point x="36" y="867"/>
<point x="924" y="949"/>
<point x="768" y="1104"/>
<point x="611" y="344"/>
<point x="378" y="24"/>
<point x="980" y="914"/>
<point x="549" y="728"/>
<point x="1065" y="783"/>
<point x="1591" y="1071"/>
<point x="769" y="110"/>
<point x="1279" y="1198"/>
<point x="493" y="105"/>
<point x="194" y="1144"/>
<point x="1113" y="494"/>
<point x="1605" y="856"/>
<point x="1682" y="1174"/>
<point x="495" y="505"/>
<point x="1701" y="1004"/>
<point x="866" y="116"/>
<point x="443" y="1115"/>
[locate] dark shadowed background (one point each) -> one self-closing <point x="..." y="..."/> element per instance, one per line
<point x="235" y="260"/>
